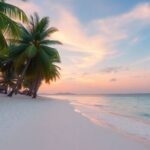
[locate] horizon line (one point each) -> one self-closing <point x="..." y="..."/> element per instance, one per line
<point x="72" y="93"/>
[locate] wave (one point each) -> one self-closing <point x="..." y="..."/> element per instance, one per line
<point x="125" y="124"/>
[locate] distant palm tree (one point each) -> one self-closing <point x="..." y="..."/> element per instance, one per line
<point x="7" y="74"/>
<point x="8" y="27"/>
<point x="7" y="81"/>
<point x="33" y="55"/>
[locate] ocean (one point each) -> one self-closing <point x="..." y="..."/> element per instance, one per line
<point x="126" y="113"/>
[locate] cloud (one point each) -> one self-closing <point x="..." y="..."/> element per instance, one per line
<point x="119" y="27"/>
<point x="29" y="7"/>
<point x="96" y="38"/>
<point x="135" y="40"/>
<point x="74" y="37"/>
<point x="85" y="45"/>
<point x="113" y="80"/>
<point x="116" y="69"/>
<point x="142" y="61"/>
<point x="141" y="76"/>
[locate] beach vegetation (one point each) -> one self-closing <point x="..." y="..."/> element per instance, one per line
<point x="8" y="26"/>
<point x="27" y="58"/>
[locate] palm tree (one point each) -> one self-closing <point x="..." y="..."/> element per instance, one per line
<point x="34" y="80"/>
<point x="8" y="27"/>
<point x="7" y="81"/>
<point x="8" y="77"/>
<point x="33" y="54"/>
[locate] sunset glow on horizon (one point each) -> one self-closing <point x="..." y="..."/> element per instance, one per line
<point x="106" y="44"/>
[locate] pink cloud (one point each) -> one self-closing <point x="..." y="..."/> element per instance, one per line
<point x="29" y="7"/>
<point x="95" y="46"/>
<point x="119" y="27"/>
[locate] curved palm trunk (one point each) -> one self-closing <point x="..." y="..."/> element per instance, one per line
<point x="36" y="87"/>
<point x="6" y="88"/>
<point x="30" y="88"/>
<point x="20" y="79"/>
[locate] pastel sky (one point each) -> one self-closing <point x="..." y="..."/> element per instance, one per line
<point x="106" y="44"/>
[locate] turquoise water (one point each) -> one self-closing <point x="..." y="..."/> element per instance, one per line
<point x="128" y="113"/>
<point x="137" y="105"/>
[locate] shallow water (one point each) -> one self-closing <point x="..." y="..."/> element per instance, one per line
<point x="128" y="113"/>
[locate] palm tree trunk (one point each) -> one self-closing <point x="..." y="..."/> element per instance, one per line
<point x="35" y="89"/>
<point x="6" y="89"/>
<point x="20" y="79"/>
<point x="37" y="85"/>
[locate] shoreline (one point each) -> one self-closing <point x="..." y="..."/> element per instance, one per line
<point x="32" y="124"/>
<point x="108" y="126"/>
<point x="134" y="127"/>
<point x="103" y="124"/>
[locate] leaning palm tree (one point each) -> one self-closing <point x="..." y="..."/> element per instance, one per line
<point x="33" y="53"/>
<point x="34" y="79"/>
<point x="8" y="27"/>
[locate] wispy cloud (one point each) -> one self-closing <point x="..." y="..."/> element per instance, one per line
<point x="73" y="35"/>
<point x="113" y="69"/>
<point x="29" y="7"/>
<point x="113" y="80"/>
<point x="142" y="61"/>
<point x="96" y="39"/>
<point x="84" y="46"/>
<point x="120" y="27"/>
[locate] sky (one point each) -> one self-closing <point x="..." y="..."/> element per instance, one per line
<point x="106" y="44"/>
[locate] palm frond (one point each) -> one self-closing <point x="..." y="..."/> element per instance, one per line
<point x="50" y="42"/>
<point x="13" y="11"/>
<point x="42" y="25"/>
<point x="3" y="43"/>
<point x="31" y="51"/>
<point x="8" y="26"/>
<point x="48" y="32"/>
<point x="52" y="53"/>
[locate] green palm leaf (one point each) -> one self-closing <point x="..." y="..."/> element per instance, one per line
<point x="13" y="11"/>
<point x="31" y="51"/>
<point x="3" y="42"/>
<point x="48" y="33"/>
<point x="8" y="27"/>
<point x="50" y="42"/>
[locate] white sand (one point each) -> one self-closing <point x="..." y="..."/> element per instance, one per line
<point x="27" y="124"/>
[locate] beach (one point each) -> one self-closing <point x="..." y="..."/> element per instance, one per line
<point x="51" y="124"/>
